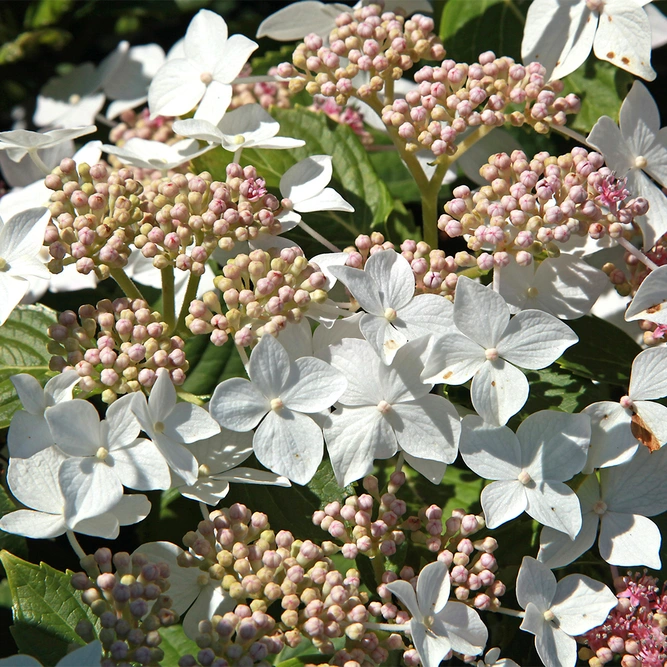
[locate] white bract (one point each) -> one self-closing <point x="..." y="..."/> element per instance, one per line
<point x="148" y="154"/>
<point x="28" y="432"/>
<point x="488" y="344"/>
<point x="493" y="659"/>
<point x="649" y="301"/>
<point x="305" y="185"/>
<point x="562" y="286"/>
<point x="556" y="612"/>
<point x="34" y="482"/>
<point x="192" y="590"/>
<point x="248" y="126"/>
<point x="84" y="656"/>
<point x="204" y="73"/>
<point x="385" y="289"/>
<point x="19" y="143"/>
<point x="617" y="427"/>
<point x="635" y="146"/>
<point x="281" y="394"/>
<point x="171" y="425"/>
<point x="218" y="458"/>
<point x="387" y="408"/>
<point x="439" y="626"/>
<point x="21" y="239"/>
<point x="104" y="456"/>
<point x="529" y="469"/>
<point x="560" y="34"/>
<point x="618" y="504"/>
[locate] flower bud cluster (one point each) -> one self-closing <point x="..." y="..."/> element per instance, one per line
<point x="344" y="115"/>
<point x="188" y="217"/>
<point x="454" y="96"/>
<point x="130" y="603"/>
<point x="266" y="93"/>
<point x="530" y="206"/>
<point x="260" y="293"/>
<point x="116" y="347"/>
<point x="140" y="125"/>
<point x="95" y="214"/>
<point x="635" y="629"/>
<point x="382" y="44"/>
<point x="241" y="637"/>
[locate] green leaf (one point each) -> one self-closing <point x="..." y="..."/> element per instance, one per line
<point x="23" y="341"/>
<point x="602" y="89"/>
<point x="262" y="64"/>
<point x="45" y="607"/>
<point x="468" y="28"/>
<point x="28" y="43"/>
<point x="46" y="12"/>
<point x="14" y="543"/>
<point x="210" y="365"/>
<point x="5" y="595"/>
<point x="354" y="175"/>
<point x="175" y="645"/>
<point x="604" y="352"/>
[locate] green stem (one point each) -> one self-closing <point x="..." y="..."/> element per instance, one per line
<point x="510" y="612"/>
<point x="124" y="282"/>
<point x="190" y="294"/>
<point x="388" y="627"/>
<point x="168" y="305"/>
<point x="430" y="216"/>
<point x="471" y="140"/>
<point x="571" y="134"/>
<point x="190" y="398"/>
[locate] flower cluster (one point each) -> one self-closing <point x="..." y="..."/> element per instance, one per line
<point x="267" y="93"/>
<point x="635" y="629"/>
<point x="383" y="45"/>
<point x="140" y="125"/>
<point x="116" y="347"/>
<point x="345" y="115"/>
<point x="131" y="604"/>
<point x="454" y="96"/>
<point x="260" y="293"/>
<point x="530" y="204"/>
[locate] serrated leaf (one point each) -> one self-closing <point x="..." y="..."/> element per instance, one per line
<point x="354" y="175"/>
<point x="23" y="341"/>
<point x="210" y="365"/>
<point x="601" y="88"/>
<point x="175" y="645"/>
<point x="45" y="608"/>
<point x="468" y="28"/>
<point x="604" y="352"/>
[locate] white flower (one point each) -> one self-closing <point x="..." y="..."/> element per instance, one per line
<point x="619" y="504"/>
<point x="218" y="458"/>
<point x="281" y="394"/>
<point x="171" y="425"/>
<point x="439" y="626"/>
<point x="25" y="172"/>
<point x="148" y="154"/>
<point x="562" y="286"/>
<point x="84" y="656"/>
<point x="617" y="427"/>
<point x="385" y="289"/>
<point x="488" y="346"/>
<point x="305" y="184"/>
<point x="192" y="590"/>
<point x="638" y="146"/>
<point x="557" y="612"/>
<point x="560" y="35"/>
<point x="529" y="468"/>
<point x="34" y="482"/>
<point x="104" y="456"/>
<point x="385" y="408"/>
<point x="249" y="126"/>
<point x="21" y="239"/>
<point x="649" y="301"/>
<point x="28" y="432"/>
<point x="19" y="143"/>
<point x="491" y="660"/>
<point x="210" y="62"/>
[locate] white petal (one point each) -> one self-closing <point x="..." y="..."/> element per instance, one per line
<point x="36" y="525"/>
<point x="327" y="200"/>
<point x="649" y="301"/>
<point x="215" y="102"/>
<point x="612" y="442"/>
<point x="297" y="20"/>
<point x="393" y="277"/>
<point x="385" y="339"/>
<point x="654" y="416"/>
<point x="179" y="458"/>
<point x="502" y="501"/>
<point x="22" y="237"/>
<point x="223" y="451"/>
<point x="581" y="603"/>
<point x="162" y="399"/>
<point x="624" y="38"/>
<point x="493" y="452"/>
<point x="290" y="444"/>
<point x="554" y="444"/>
<point x="583" y="24"/>
<point x="206" y="40"/>
<point x="406" y="594"/>
<point x="607" y="138"/>
<point x="313" y="385"/>
<point x="89" y="654"/>
<point x="556" y="648"/>
<point x="176" y="89"/>
<point x="30" y="393"/>
<point x="131" y="509"/>
<point x="361" y="367"/>
<point x="454" y="359"/>
<point x="557" y="549"/>
<point x="306" y="178"/>
<point x="427" y="314"/>
<point x="433" y="588"/>
<point x="471" y="300"/>
<point x="554" y="504"/>
<point x="60" y="388"/>
<point x="199" y="129"/>
<point x="464" y="628"/>
<point x="269" y="367"/>
<point x="237" y="51"/>
<point x="188" y="423"/>
<point x="654" y="224"/>
<point x="434" y="471"/>
<point x="211" y="600"/>
<point x="498" y="391"/>
<point x="355" y="437"/>
<point x="123" y="426"/>
<point x="629" y="539"/>
<point x="648" y="380"/>
<point x="34" y="481"/>
<point x="639" y="119"/>
<point x="535" y="583"/>
<point x="533" y="620"/>
<point x="534" y="339"/>
<point x="431" y="647"/>
<point x="362" y="287"/>
<point x="141" y="466"/>
<point x="28" y="435"/>
<point x="75" y="426"/>
<point x="402" y="380"/>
